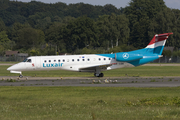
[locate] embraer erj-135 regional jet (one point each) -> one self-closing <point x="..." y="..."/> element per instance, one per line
<point x="95" y="63"/>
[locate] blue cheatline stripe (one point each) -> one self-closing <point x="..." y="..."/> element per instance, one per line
<point x="107" y="55"/>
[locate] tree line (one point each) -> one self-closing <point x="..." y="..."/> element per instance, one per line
<point x="47" y="29"/>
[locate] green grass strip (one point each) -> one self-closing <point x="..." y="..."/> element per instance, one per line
<point x="89" y="103"/>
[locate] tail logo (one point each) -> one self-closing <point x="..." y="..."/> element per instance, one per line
<point x="125" y="55"/>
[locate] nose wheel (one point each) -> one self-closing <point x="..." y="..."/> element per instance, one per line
<point x="21" y="76"/>
<point x="99" y="75"/>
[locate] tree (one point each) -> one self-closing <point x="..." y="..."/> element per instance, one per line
<point x="80" y="33"/>
<point x="13" y="33"/>
<point x="140" y="13"/>
<point x="1" y="50"/>
<point x="54" y="36"/>
<point x="109" y="9"/>
<point x="2" y="25"/>
<point x="122" y="24"/>
<point x="5" y="41"/>
<point x="163" y="23"/>
<point x="175" y="27"/>
<point x="43" y="23"/>
<point x="113" y="29"/>
<point x="29" y="38"/>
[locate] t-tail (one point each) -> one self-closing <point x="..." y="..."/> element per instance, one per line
<point x="154" y="49"/>
<point x="156" y="45"/>
<point x="148" y="54"/>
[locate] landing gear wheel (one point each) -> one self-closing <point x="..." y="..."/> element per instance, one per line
<point x="101" y="75"/>
<point x="95" y="75"/>
<point x="21" y="76"/>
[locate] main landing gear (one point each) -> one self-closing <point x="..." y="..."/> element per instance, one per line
<point x="99" y="75"/>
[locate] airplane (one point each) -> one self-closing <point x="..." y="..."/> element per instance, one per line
<point x="95" y="63"/>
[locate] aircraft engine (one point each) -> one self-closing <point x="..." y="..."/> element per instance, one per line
<point x="127" y="57"/>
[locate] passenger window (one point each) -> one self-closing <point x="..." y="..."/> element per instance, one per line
<point x="77" y="59"/>
<point x="54" y="60"/>
<point x="83" y="59"/>
<point x="99" y="59"/>
<point x="29" y="60"/>
<point x="59" y="60"/>
<point x="44" y="60"/>
<point x="109" y="58"/>
<point x="63" y="60"/>
<point x="88" y="59"/>
<point x="104" y="58"/>
<point x="73" y="60"/>
<point x="49" y="60"/>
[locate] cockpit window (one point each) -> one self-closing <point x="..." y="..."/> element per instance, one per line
<point x="27" y="60"/>
<point x="24" y="60"/>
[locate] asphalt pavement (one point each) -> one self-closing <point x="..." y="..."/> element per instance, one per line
<point x="91" y="81"/>
<point x="94" y="81"/>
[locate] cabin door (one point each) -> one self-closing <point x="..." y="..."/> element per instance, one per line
<point x="38" y="62"/>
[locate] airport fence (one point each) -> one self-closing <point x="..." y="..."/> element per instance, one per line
<point x="163" y="59"/>
<point x="12" y="59"/>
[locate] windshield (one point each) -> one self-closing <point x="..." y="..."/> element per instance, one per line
<point x="27" y="60"/>
<point x="24" y="60"/>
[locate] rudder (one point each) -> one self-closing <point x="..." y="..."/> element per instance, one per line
<point x="156" y="45"/>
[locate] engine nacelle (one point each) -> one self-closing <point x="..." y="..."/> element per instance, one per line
<point x="127" y="57"/>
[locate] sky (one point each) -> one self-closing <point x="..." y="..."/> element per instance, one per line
<point x="175" y="4"/>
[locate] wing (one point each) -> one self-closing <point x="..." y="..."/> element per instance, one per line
<point x="93" y="68"/>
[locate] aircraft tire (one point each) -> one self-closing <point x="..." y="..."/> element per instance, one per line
<point x="95" y="75"/>
<point x="21" y="76"/>
<point x="101" y="75"/>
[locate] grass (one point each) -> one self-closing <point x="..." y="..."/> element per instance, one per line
<point x="132" y="72"/>
<point x="1" y="62"/>
<point x="89" y="103"/>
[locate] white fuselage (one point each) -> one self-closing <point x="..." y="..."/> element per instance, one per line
<point x="68" y="62"/>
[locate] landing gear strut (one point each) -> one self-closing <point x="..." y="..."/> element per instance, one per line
<point x="99" y="75"/>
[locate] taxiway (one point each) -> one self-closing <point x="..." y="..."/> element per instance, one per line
<point x="91" y="81"/>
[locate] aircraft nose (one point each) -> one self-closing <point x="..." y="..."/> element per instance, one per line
<point x="9" y="68"/>
<point x="13" y="67"/>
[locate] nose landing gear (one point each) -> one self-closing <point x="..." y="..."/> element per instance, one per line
<point x="99" y="75"/>
<point x="21" y="76"/>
